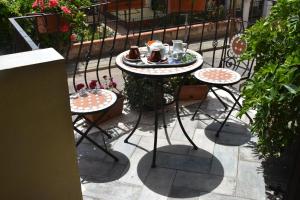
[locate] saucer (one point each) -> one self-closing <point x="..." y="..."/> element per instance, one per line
<point x="162" y="61"/>
<point x="126" y="57"/>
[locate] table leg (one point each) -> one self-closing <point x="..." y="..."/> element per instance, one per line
<point x="136" y="125"/>
<point x="155" y="125"/>
<point x="179" y="120"/>
<point x="139" y="117"/>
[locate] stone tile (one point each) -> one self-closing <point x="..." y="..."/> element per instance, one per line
<point x="89" y="198"/>
<point x="99" y="171"/>
<point x="189" y="185"/>
<point x="232" y="127"/>
<point x="189" y="126"/>
<point x="192" y="198"/>
<point x="214" y="196"/>
<point x="112" y="190"/>
<point x="165" y="145"/>
<point x="228" y="139"/>
<point x="185" y="163"/>
<point x="227" y="186"/>
<point x="158" y="183"/>
<point x="228" y="156"/>
<point x="125" y="148"/>
<point x="201" y="140"/>
<point x="88" y="150"/>
<point x="132" y="175"/>
<point x="250" y="181"/>
<point x="249" y="153"/>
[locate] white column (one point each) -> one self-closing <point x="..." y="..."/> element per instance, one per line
<point x="267" y="7"/>
<point x="246" y="11"/>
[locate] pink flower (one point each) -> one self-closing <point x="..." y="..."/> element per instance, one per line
<point x="101" y="86"/>
<point x="35" y="4"/>
<point x="65" y="9"/>
<point x="64" y="27"/>
<point x="53" y="3"/>
<point x="93" y="84"/>
<point x="79" y="86"/>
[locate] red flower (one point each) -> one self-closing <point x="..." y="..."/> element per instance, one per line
<point x="65" y="9"/>
<point x="93" y="84"/>
<point x="53" y="3"/>
<point x="112" y="84"/>
<point x="79" y="86"/>
<point x="73" y="37"/>
<point x="35" y="4"/>
<point x="64" y="27"/>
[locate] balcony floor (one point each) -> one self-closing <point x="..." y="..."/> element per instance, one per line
<point x="223" y="168"/>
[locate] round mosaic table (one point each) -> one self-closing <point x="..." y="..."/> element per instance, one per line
<point x="159" y="71"/>
<point x="157" y="74"/>
<point x="93" y="102"/>
<point x="218" y="76"/>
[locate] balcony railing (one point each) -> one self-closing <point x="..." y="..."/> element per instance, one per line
<point x="128" y="19"/>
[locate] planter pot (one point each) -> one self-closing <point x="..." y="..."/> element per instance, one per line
<point x="114" y="111"/>
<point x="193" y="92"/>
<point x="185" y="6"/>
<point x="51" y="24"/>
<point x="124" y="5"/>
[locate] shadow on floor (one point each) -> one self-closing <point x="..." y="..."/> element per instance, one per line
<point x="232" y="134"/>
<point x="180" y="175"/>
<point x="98" y="167"/>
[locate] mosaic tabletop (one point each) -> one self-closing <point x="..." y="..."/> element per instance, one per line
<point x="92" y="101"/>
<point x="219" y="76"/>
<point x="159" y="71"/>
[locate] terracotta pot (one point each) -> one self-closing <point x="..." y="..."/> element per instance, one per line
<point x="50" y="23"/>
<point x="124" y="5"/>
<point x="193" y="92"/>
<point x="114" y="111"/>
<point x="185" y="6"/>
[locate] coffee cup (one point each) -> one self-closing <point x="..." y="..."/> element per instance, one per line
<point x="134" y="52"/>
<point x="155" y="55"/>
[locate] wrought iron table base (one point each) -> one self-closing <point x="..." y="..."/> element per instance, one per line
<point x="156" y="81"/>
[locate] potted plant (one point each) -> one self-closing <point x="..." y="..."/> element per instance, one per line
<point x="108" y="84"/>
<point x="191" y="89"/>
<point x="59" y="15"/>
<point x="139" y="91"/>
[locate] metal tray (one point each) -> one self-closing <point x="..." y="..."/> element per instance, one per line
<point x="188" y="59"/>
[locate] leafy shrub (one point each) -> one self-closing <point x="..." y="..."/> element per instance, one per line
<point x="274" y="90"/>
<point x="10" y="8"/>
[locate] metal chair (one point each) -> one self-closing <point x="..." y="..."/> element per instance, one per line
<point x="90" y="101"/>
<point x="231" y="69"/>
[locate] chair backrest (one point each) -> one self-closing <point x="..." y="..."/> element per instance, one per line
<point x="233" y="49"/>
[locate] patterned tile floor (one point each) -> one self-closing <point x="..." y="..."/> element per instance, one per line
<point x="224" y="168"/>
<point x="227" y="168"/>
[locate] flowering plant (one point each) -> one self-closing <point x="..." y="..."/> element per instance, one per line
<point x="69" y="10"/>
<point x="107" y="83"/>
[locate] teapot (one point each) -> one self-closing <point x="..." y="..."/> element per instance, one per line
<point x="156" y="44"/>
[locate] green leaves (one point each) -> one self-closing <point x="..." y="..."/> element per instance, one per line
<point x="274" y="90"/>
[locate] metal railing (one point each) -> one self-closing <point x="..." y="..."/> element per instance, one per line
<point x="112" y="27"/>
